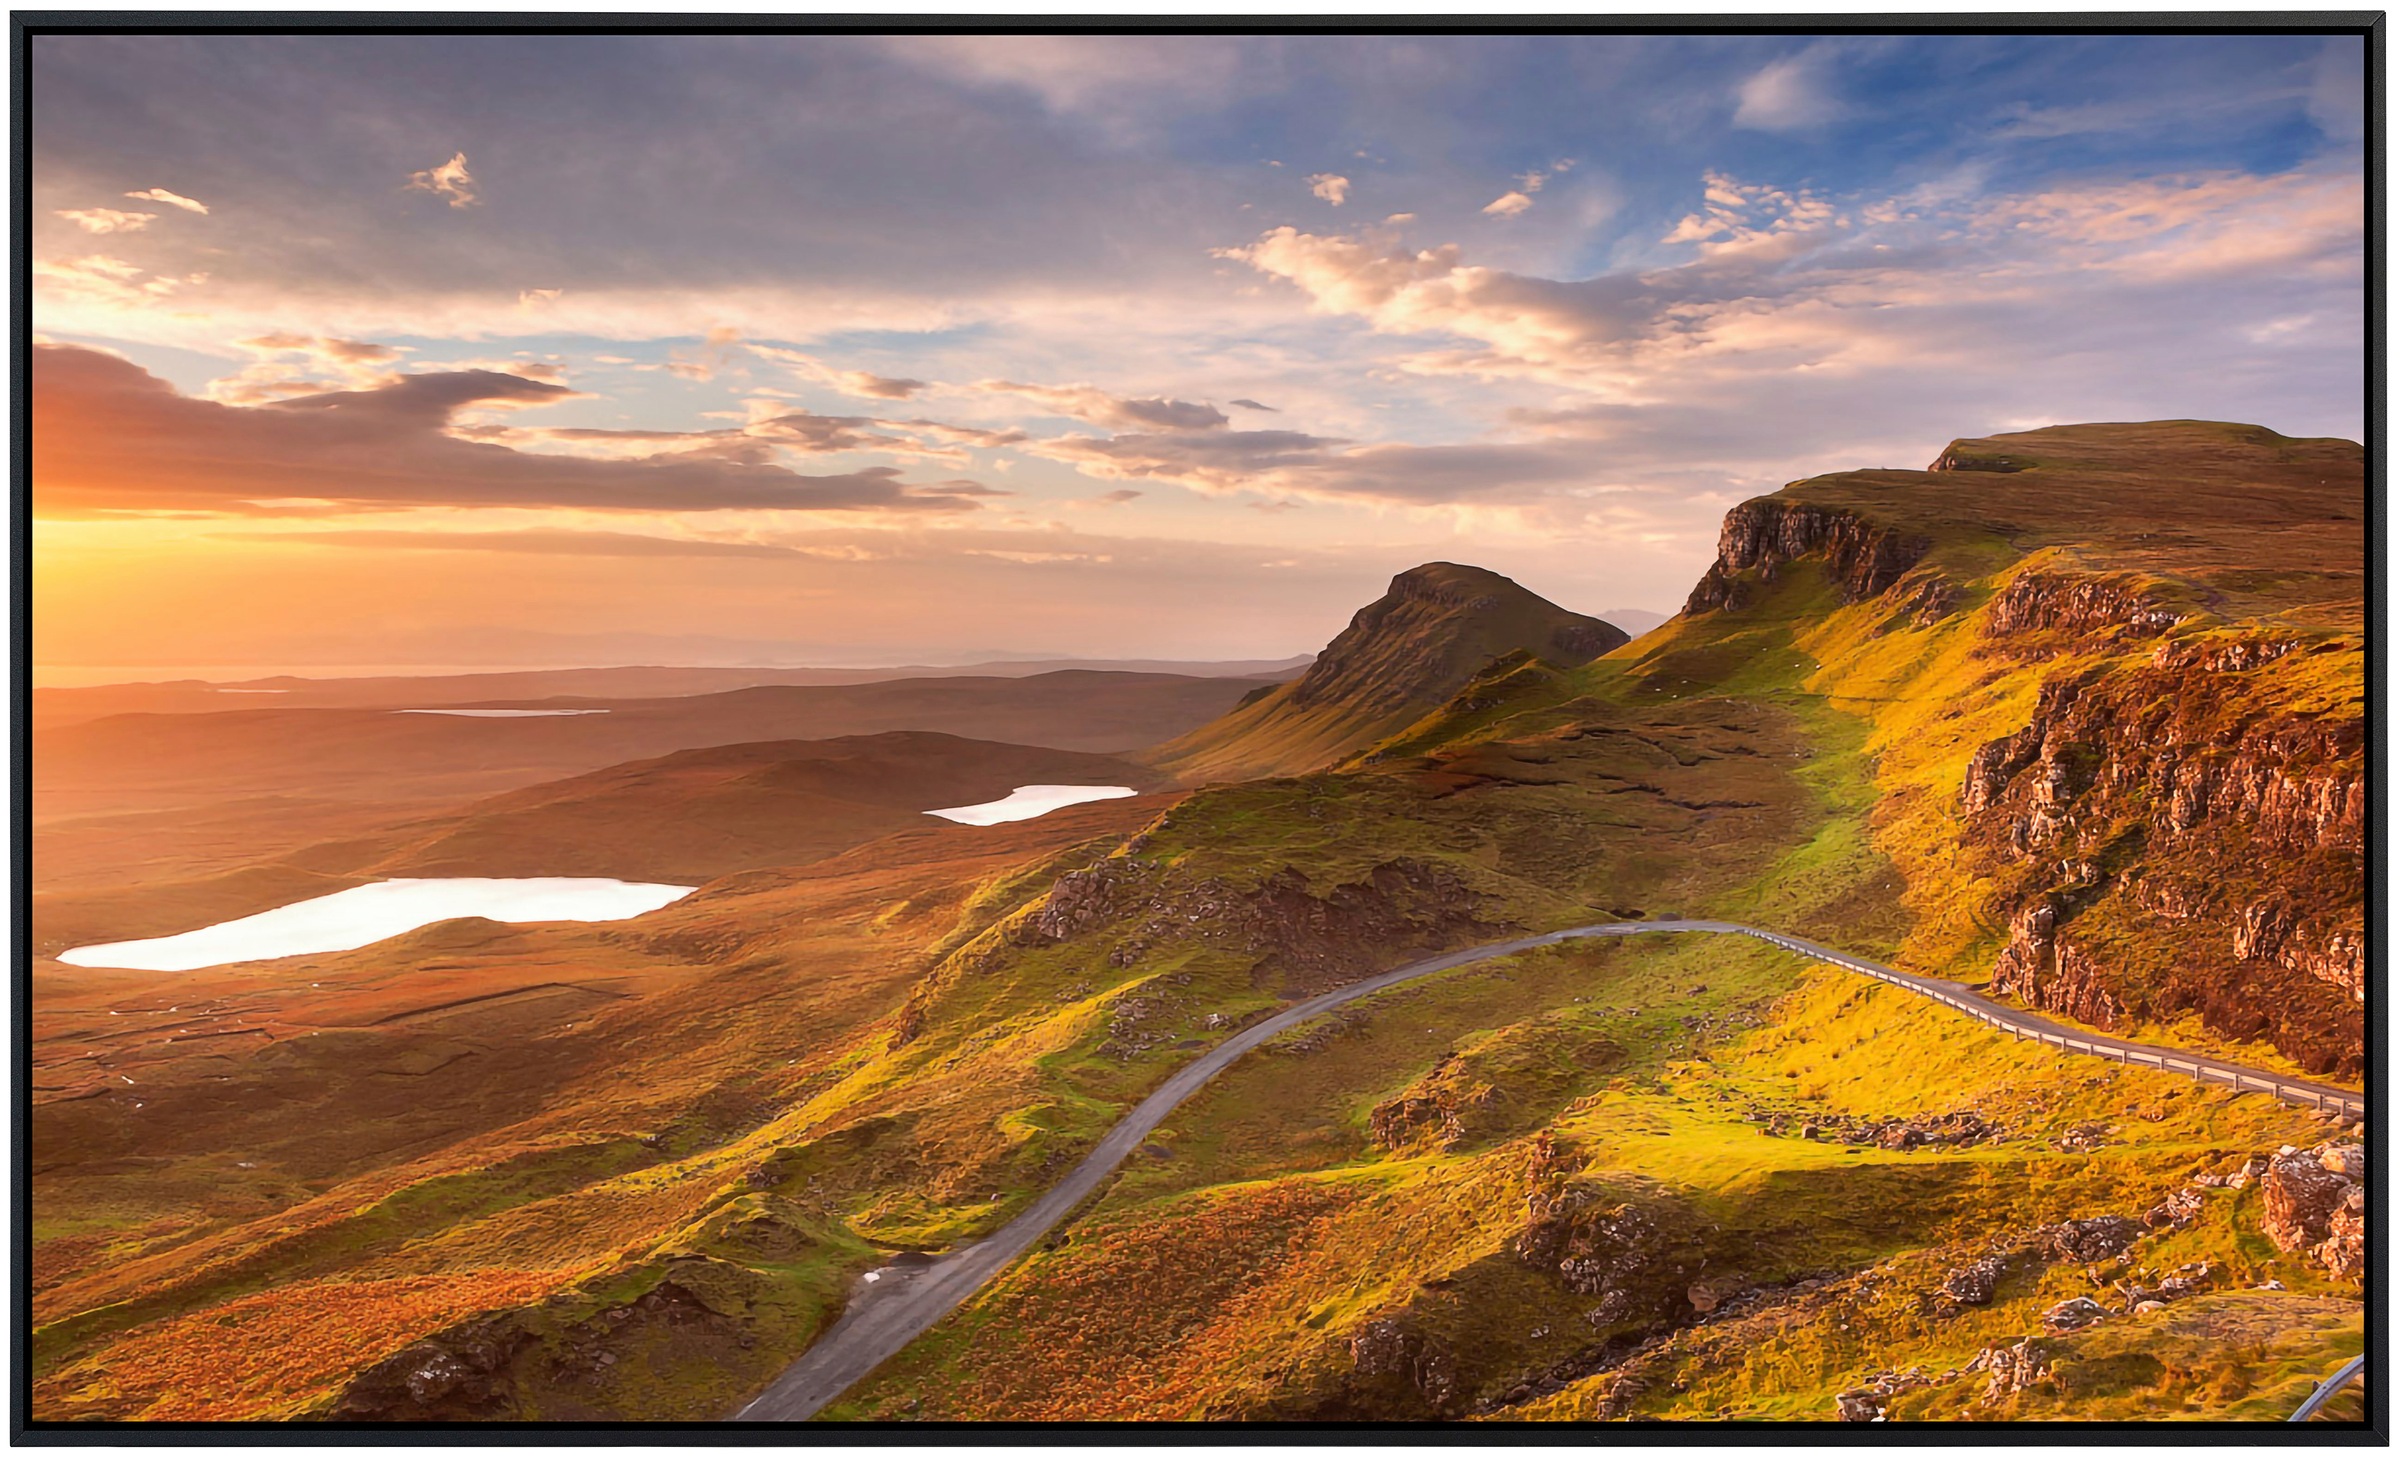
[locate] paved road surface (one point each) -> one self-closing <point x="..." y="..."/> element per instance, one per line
<point x="895" y="1305"/>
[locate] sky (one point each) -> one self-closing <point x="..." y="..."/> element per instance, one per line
<point x="449" y="351"/>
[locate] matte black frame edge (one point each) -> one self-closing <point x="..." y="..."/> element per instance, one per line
<point x="2020" y="22"/>
<point x="20" y="745"/>
<point x="1090" y="1434"/>
<point x="2378" y="566"/>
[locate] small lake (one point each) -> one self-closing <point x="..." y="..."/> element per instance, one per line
<point x="1032" y="801"/>
<point x="366" y="914"/>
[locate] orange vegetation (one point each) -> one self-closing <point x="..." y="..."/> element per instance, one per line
<point x="292" y="1342"/>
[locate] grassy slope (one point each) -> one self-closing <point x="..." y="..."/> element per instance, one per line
<point x="1885" y="715"/>
<point x="1787" y="764"/>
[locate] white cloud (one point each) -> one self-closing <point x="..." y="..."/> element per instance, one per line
<point x="1508" y="205"/>
<point x="171" y="199"/>
<point x="108" y="282"/>
<point x="1787" y="95"/>
<point x="1788" y="284"/>
<point x="108" y="219"/>
<point x="1332" y="188"/>
<point x="451" y="180"/>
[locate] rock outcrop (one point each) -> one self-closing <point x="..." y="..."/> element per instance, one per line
<point x="1865" y="557"/>
<point x="2076" y="605"/>
<point x="1305" y="936"/>
<point x="2189" y="788"/>
<point x="1639" y="1257"/>
<point x="2052" y="975"/>
<point x="2302" y="1194"/>
<point x="1393" y="1348"/>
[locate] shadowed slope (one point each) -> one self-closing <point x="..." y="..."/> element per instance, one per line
<point x="710" y="812"/>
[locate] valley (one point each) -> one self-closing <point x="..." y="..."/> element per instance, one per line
<point x="1381" y="1049"/>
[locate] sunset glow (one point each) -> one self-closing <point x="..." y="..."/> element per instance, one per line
<point x="965" y="346"/>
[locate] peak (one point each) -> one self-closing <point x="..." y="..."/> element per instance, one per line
<point x="1402" y="656"/>
<point x="1453" y="583"/>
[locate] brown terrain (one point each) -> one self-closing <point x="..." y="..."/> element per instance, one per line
<point x="2074" y="717"/>
<point x="54" y="707"/>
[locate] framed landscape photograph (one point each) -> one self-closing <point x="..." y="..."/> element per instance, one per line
<point x="1200" y="728"/>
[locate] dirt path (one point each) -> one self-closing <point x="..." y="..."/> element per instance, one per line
<point x="894" y="1305"/>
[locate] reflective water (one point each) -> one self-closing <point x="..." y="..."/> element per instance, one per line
<point x="365" y="914"/>
<point x="1031" y="801"/>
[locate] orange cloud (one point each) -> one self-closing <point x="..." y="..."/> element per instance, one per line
<point x="451" y="180"/>
<point x="109" y="436"/>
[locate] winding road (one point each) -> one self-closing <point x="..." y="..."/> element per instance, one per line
<point x="898" y="1303"/>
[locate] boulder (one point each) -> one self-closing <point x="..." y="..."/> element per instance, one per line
<point x="2347" y="1159"/>
<point x="2089" y="1240"/>
<point x="2343" y="1251"/>
<point x="2073" y="1314"/>
<point x="2013" y="1368"/>
<point x="2178" y="1210"/>
<point x="2300" y="1195"/>
<point x="1973" y="1284"/>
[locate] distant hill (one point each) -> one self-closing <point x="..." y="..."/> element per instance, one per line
<point x="702" y="813"/>
<point x="55" y="707"/>
<point x="1401" y="657"/>
<point x="151" y="761"/>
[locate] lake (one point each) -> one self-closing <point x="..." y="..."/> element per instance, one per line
<point x="366" y="914"/>
<point x="1031" y="801"/>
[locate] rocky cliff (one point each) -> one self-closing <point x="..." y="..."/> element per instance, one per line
<point x="2176" y="826"/>
<point x="2182" y="806"/>
<point x="1763" y="535"/>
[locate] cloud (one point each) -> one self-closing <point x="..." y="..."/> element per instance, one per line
<point x="110" y="436"/>
<point x="1508" y="204"/>
<point x="110" y="281"/>
<point x="536" y="542"/>
<point x="1123" y="81"/>
<point x="451" y="180"/>
<point x="1539" y="177"/>
<point x="1289" y="463"/>
<point x="858" y="382"/>
<point x="2337" y="96"/>
<point x="108" y="219"/>
<point x="171" y="199"/>
<point x="292" y="364"/>
<point x="962" y="434"/>
<point x="1254" y="405"/>
<point x="715" y="353"/>
<point x="773" y="426"/>
<point x="1787" y="95"/>
<point x="1785" y="281"/>
<point x="1332" y="188"/>
<point x="1088" y="402"/>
